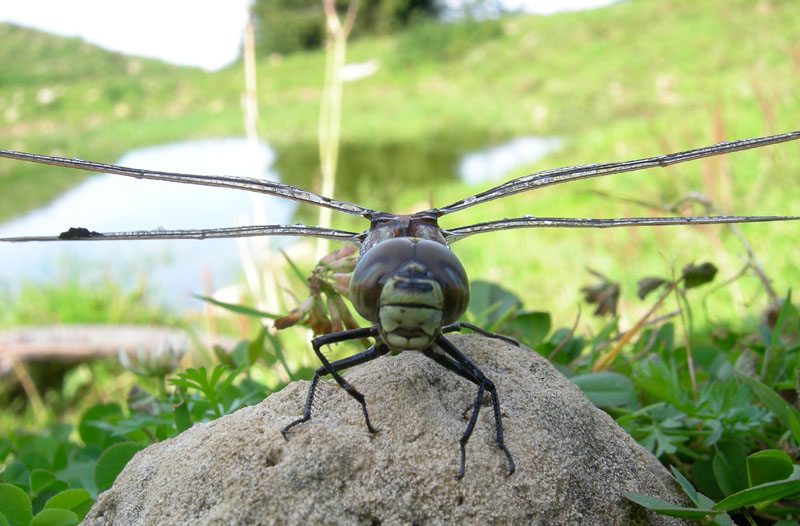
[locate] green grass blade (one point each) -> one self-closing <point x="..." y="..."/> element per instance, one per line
<point x="297" y="272"/>
<point x="758" y="494"/>
<point x="239" y="309"/>
<point x="666" y="508"/>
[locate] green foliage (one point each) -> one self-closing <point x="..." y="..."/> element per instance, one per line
<point x="239" y="309"/>
<point x="285" y="26"/>
<point x="769" y="465"/>
<point x="490" y="304"/>
<point x="35" y="484"/>
<point x="382" y="17"/>
<point x="759" y="496"/>
<point x="16" y="504"/>
<point x="731" y="437"/>
<point x="78" y="298"/>
<point x="210" y="385"/>
<point x="111" y="462"/>
<point x="53" y="476"/>
<point x="431" y="42"/>
<point x="606" y="389"/>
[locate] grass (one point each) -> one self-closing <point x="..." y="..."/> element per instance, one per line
<point x="76" y="300"/>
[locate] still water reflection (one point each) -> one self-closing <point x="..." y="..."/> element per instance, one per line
<point x="113" y="203"/>
<point x="493" y="163"/>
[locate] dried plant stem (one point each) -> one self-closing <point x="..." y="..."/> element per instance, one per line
<point x="654" y="321"/>
<point x="605" y="361"/>
<point x="249" y="98"/>
<point x="259" y="270"/>
<point x="30" y="389"/>
<point x="330" y="113"/>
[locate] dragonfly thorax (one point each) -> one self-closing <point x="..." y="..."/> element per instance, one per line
<point x="409" y="287"/>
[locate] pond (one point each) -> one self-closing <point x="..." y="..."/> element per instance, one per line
<point x="492" y="164"/>
<point x="114" y="203"/>
<point x="178" y="268"/>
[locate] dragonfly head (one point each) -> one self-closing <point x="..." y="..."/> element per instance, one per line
<point x="409" y="287"/>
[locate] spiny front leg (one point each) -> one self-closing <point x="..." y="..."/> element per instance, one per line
<point x="333" y="369"/>
<point x="458" y="363"/>
<point x="476" y="407"/>
<point x="309" y="400"/>
<point x="458" y="356"/>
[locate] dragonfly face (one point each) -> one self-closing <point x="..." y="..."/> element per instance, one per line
<point x="409" y="287"/>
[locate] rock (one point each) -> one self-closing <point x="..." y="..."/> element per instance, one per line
<point x="573" y="462"/>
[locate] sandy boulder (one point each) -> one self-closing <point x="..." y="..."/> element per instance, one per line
<point x="573" y="462"/>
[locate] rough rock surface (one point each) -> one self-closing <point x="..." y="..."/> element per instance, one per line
<point x="573" y="462"/>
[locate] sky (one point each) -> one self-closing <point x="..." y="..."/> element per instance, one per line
<point x="201" y="33"/>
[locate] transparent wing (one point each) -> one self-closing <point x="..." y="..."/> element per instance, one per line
<point x="239" y="183"/>
<point x="457" y="234"/>
<point x="84" y="234"/>
<point x="575" y="173"/>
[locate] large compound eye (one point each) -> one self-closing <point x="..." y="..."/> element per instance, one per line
<point x="372" y="270"/>
<point x="450" y="273"/>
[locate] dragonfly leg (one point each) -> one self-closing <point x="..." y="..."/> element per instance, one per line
<point x="333" y="369"/>
<point x="460" y="325"/>
<point x="458" y="363"/>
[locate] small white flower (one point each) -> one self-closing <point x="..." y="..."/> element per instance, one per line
<point x="154" y="362"/>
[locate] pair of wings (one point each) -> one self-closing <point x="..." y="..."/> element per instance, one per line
<point x="521" y="184"/>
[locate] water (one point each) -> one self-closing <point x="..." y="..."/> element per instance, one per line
<point x="492" y="164"/>
<point x="107" y="203"/>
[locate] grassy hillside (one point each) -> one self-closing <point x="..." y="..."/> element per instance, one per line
<point x="636" y="79"/>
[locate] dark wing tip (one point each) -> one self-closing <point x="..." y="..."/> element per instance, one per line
<point x="78" y="233"/>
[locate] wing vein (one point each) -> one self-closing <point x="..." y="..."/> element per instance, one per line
<point x="84" y="234"/>
<point x="225" y="181"/>
<point x="575" y="173"/>
<point x="457" y="234"/>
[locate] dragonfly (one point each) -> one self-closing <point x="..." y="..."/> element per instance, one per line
<point x="407" y="282"/>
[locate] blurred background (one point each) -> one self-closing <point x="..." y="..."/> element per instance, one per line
<point x="441" y="99"/>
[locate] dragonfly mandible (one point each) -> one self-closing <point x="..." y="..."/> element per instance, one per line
<point x="407" y="283"/>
